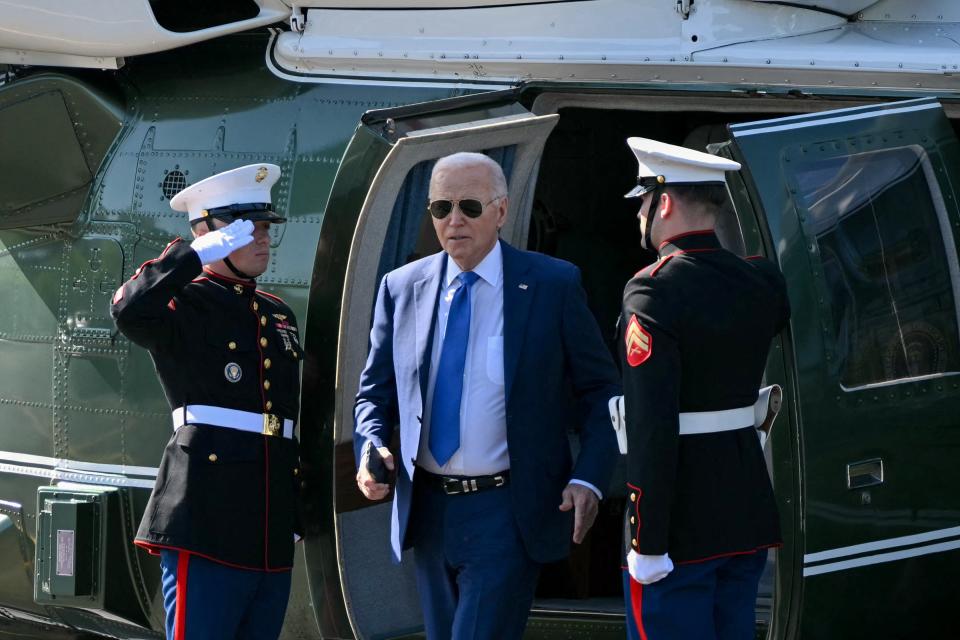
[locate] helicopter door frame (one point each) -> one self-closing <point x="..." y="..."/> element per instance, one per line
<point x="863" y="214"/>
<point x="527" y="132"/>
<point x="361" y="528"/>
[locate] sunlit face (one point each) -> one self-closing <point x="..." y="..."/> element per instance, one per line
<point x="644" y="212"/>
<point x="468" y="240"/>
<point x="254" y="257"/>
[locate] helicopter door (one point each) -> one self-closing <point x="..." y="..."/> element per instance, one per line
<point x="862" y="211"/>
<point x="376" y="219"/>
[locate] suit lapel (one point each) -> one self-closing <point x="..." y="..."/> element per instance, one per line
<point x="425" y="294"/>
<point x="518" y="289"/>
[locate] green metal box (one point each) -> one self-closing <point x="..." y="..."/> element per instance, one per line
<point x="71" y="540"/>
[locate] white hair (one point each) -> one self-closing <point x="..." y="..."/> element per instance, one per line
<point x="465" y="159"/>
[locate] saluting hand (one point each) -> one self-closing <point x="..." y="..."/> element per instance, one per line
<point x="217" y="245"/>
<point x="584" y="503"/>
<point x="369" y="486"/>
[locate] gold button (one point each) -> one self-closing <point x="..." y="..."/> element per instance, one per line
<point x="232" y="345"/>
<point x="269" y="405"/>
<point x="238" y="289"/>
<point x="267" y="363"/>
<point x="263" y="342"/>
<point x="296" y="471"/>
<point x="266" y="384"/>
<point x="212" y="457"/>
<point x="295" y="355"/>
<point x="263" y="321"/>
<point x="256" y="305"/>
<point x="633" y="497"/>
<point x="634" y="542"/>
<point x="633" y="520"/>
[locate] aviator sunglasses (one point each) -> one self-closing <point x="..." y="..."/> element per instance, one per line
<point x="471" y="207"/>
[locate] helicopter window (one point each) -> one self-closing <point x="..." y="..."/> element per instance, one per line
<point x="889" y="266"/>
<point x="180" y="16"/>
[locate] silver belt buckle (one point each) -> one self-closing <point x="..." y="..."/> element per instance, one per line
<point x="272" y="425"/>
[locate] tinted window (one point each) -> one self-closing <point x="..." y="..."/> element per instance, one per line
<point x="879" y="223"/>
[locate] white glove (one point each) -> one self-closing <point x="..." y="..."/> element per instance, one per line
<point x="217" y="245"/>
<point x="648" y="569"/>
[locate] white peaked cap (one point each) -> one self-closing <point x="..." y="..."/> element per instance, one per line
<point x="677" y="165"/>
<point x="242" y="185"/>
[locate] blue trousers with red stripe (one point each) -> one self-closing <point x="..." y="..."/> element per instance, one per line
<point x="710" y="600"/>
<point x="206" y="600"/>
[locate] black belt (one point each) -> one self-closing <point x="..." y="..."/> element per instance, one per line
<point x="455" y="485"/>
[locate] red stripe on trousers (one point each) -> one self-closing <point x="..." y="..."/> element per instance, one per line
<point x="180" y="620"/>
<point x="636" y="598"/>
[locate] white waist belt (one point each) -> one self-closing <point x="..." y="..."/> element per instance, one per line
<point x="716" y="421"/>
<point x="263" y="423"/>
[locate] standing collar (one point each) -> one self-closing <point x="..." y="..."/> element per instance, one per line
<point x="490" y="268"/>
<point x="249" y="286"/>
<point x="702" y="240"/>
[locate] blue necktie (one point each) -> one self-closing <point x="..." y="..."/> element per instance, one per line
<point x="445" y="412"/>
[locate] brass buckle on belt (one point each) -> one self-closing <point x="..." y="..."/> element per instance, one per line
<point x="272" y="425"/>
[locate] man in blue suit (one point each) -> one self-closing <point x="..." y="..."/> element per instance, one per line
<point x="478" y="353"/>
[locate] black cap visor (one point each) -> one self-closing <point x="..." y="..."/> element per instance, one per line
<point x="252" y="211"/>
<point x="644" y="185"/>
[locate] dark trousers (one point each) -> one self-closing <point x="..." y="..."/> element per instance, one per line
<point x="206" y="600"/>
<point x="474" y="576"/>
<point x="711" y="600"/>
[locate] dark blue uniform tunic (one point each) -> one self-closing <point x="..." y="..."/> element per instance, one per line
<point x="696" y="329"/>
<point x="223" y="494"/>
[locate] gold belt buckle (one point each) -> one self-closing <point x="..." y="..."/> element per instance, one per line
<point x="272" y="425"/>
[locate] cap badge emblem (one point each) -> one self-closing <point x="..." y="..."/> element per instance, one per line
<point x="638" y="342"/>
<point x="233" y="372"/>
<point x="261" y="174"/>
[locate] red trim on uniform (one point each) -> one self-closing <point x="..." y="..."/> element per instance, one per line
<point x="180" y="617"/>
<point x="652" y="264"/>
<point x="246" y="283"/>
<point x="733" y="553"/>
<point x="136" y="274"/>
<point x="665" y="259"/>
<point x="270" y="295"/>
<point x="172" y="305"/>
<point x="698" y="232"/>
<point x="153" y="549"/>
<point x="263" y="397"/>
<point x="266" y="506"/>
<point x="636" y="600"/>
<point x="754" y="257"/>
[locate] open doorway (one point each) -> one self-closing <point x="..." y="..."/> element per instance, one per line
<point x="579" y="214"/>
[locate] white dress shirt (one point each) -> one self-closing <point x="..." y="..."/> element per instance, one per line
<point x="483" y="423"/>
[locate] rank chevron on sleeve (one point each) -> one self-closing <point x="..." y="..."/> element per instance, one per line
<point x="639" y="343"/>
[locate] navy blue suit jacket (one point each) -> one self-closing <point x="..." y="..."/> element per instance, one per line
<point x="554" y="359"/>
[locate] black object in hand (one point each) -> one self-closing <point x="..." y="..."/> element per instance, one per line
<point x="374" y="463"/>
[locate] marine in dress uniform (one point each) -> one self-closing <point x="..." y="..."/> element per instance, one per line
<point x="222" y="514"/>
<point x="695" y="332"/>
